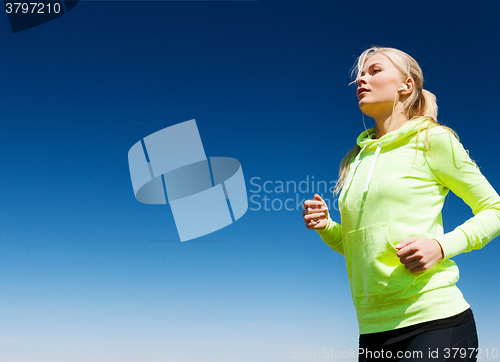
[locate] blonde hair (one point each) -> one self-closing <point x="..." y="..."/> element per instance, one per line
<point x="420" y="104"/>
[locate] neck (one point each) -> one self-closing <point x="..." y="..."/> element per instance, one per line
<point x="384" y="125"/>
<point x="389" y="121"/>
<point x="388" y="117"/>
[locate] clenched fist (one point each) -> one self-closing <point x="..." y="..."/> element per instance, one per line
<point x="419" y="254"/>
<point x="315" y="213"/>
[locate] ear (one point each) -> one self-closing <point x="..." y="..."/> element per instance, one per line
<point x="410" y="84"/>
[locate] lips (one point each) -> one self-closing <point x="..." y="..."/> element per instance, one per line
<point x="361" y="91"/>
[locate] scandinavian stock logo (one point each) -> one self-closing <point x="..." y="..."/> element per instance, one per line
<point x="170" y="165"/>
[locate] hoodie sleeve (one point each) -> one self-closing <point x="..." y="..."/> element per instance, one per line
<point x="453" y="168"/>
<point x="332" y="236"/>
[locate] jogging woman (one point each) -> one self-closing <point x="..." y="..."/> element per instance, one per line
<point x="391" y="187"/>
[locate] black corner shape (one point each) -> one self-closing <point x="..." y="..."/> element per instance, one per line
<point x="26" y="14"/>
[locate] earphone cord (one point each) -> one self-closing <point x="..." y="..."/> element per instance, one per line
<point x="363" y="117"/>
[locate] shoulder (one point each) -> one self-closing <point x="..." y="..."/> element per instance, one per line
<point x="442" y="139"/>
<point x="440" y="132"/>
<point x="444" y="146"/>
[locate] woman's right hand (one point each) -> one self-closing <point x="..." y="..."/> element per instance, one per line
<point x="315" y="213"/>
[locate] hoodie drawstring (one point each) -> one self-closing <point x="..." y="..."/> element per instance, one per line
<point x="354" y="167"/>
<point x="372" y="167"/>
<point x="370" y="171"/>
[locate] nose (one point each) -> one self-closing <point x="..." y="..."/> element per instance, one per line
<point x="361" y="81"/>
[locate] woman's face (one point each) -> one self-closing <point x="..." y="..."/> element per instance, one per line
<point x="377" y="85"/>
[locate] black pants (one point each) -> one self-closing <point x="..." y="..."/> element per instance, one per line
<point x="457" y="343"/>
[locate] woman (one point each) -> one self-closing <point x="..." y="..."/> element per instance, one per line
<point x="392" y="188"/>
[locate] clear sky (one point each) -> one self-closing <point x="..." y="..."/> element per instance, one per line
<point x="87" y="273"/>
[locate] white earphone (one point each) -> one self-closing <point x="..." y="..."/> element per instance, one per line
<point x="405" y="87"/>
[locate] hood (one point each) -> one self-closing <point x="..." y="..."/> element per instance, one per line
<point x="367" y="141"/>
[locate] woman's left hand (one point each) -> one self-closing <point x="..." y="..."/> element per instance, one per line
<point x="419" y="254"/>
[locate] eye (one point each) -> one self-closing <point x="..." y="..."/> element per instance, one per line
<point x="376" y="70"/>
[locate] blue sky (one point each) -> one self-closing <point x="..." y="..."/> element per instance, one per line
<point x="87" y="273"/>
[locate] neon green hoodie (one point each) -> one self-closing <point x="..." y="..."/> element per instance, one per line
<point x="396" y="190"/>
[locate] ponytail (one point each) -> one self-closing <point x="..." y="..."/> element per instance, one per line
<point x="427" y="106"/>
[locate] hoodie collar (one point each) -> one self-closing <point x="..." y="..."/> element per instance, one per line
<point x="408" y="129"/>
<point x="367" y="141"/>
